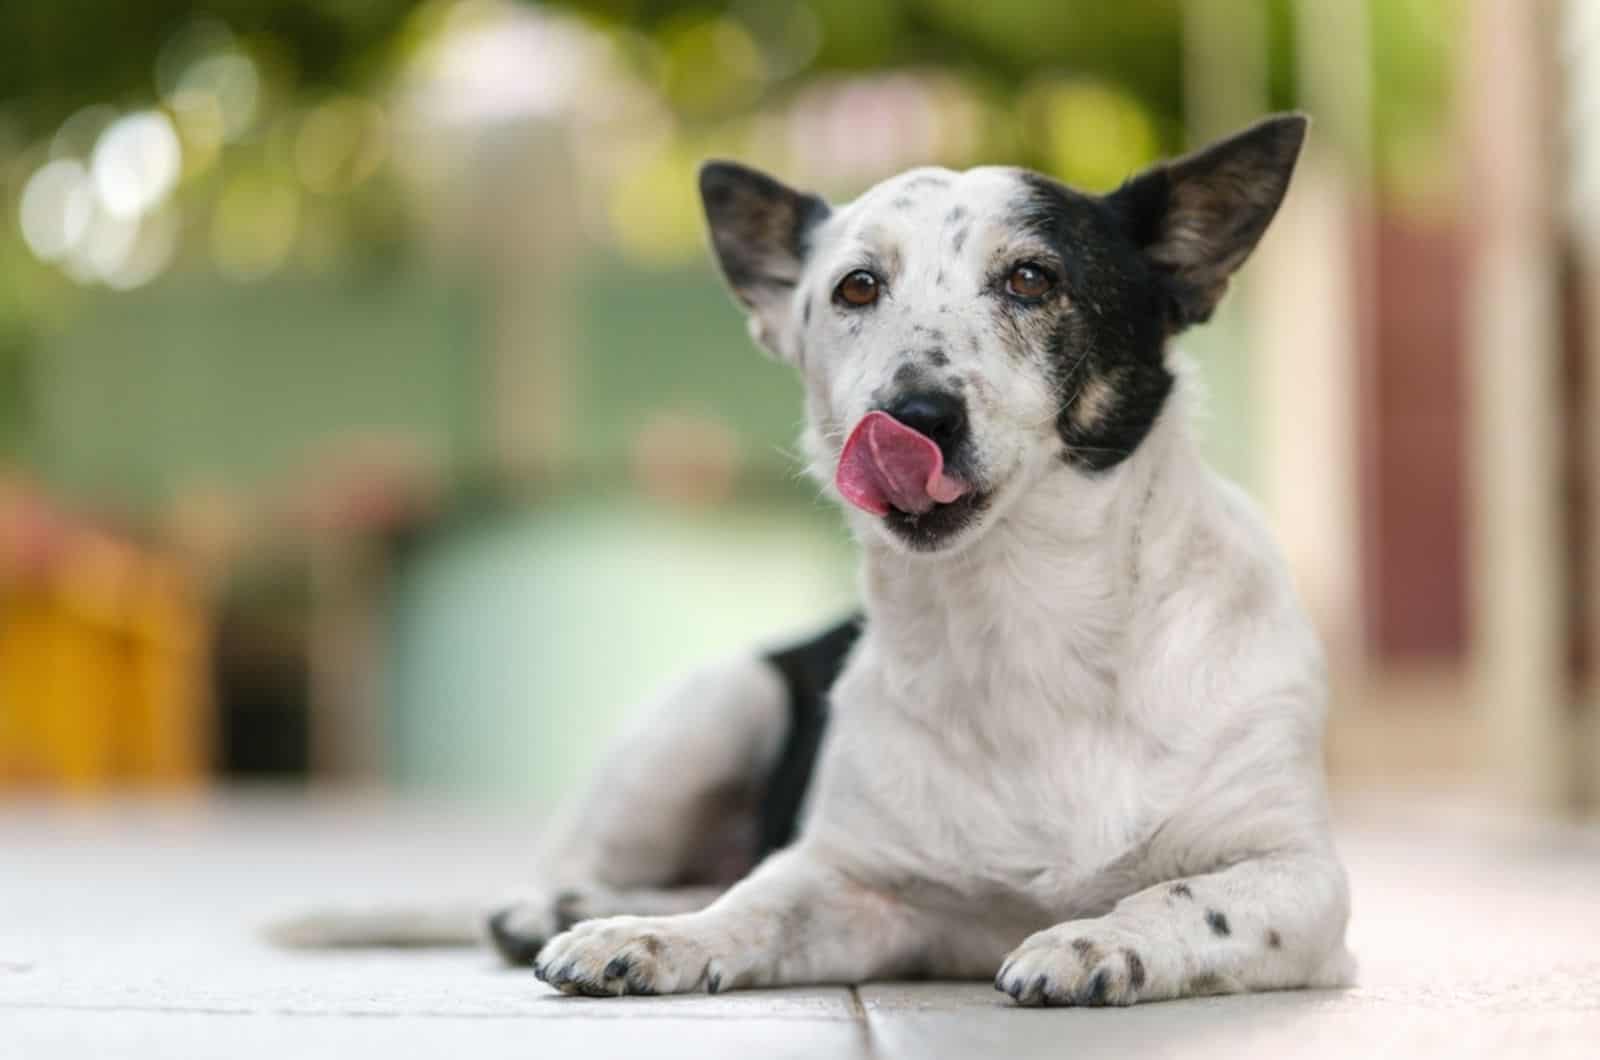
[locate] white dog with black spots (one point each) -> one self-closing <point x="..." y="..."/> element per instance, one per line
<point x="1074" y="741"/>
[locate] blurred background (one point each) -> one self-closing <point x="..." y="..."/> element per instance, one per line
<point x="370" y="413"/>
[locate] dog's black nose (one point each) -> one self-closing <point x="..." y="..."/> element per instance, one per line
<point x="939" y="415"/>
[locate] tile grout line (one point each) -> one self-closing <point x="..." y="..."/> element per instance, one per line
<point x="857" y="1009"/>
<point x="863" y="1020"/>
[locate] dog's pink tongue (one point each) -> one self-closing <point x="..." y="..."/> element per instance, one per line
<point x="886" y="464"/>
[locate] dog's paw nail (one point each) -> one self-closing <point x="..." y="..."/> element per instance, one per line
<point x="1094" y="994"/>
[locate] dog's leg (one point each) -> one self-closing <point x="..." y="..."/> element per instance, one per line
<point x="1263" y="924"/>
<point x="795" y="920"/>
<point x="577" y="907"/>
<point x="688" y="772"/>
<point x="675" y="802"/>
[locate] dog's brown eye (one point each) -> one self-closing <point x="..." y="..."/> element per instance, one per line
<point x="1029" y="281"/>
<point x="858" y="289"/>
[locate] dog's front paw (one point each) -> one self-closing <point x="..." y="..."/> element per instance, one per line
<point x="1082" y="962"/>
<point x="628" y="955"/>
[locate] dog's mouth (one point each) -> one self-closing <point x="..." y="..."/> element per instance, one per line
<point x="889" y="470"/>
<point x="937" y="526"/>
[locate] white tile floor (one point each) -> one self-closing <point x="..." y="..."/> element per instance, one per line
<point x="130" y="933"/>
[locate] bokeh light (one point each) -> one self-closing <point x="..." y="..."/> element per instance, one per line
<point x="200" y="128"/>
<point x="79" y="133"/>
<point x="135" y="163"/>
<point x="229" y="78"/>
<point x="254" y="226"/>
<point x="340" y="144"/>
<point x="710" y="63"/>
<point x="57" y="206"/>
<point x="654" y="209"/>
<point x="107" y="245"/>
<point x="1092" y="133"/>
<point x="154" y="244"/>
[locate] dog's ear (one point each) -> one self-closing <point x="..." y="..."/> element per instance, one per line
<point x="760" y="229"/>
<point x="1198" y="217"/>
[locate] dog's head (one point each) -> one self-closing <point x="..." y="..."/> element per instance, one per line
<point x="960" y="334"/>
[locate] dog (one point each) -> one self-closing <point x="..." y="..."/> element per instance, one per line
<point x="1073" y="741"/>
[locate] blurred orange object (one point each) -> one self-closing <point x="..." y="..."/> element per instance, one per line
<point x="102" y="658"/>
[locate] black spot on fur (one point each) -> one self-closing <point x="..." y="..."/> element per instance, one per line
<point x="1205" y="983"/>
<point x="1274" y="940"/>
<point x="927" y="180"/>
<point x="1135" y="968"/>
<point x="903" y="202"/>
<point x="618" y="968"/>
<point x="907" y="373"/>
<point x="1087" y="951"/>
<point x="937" y="357"/>
<point x="956" y="215"/>
<point x="959" y="240"/>
<point x="1181" y="890"/>
<point x="805" y="312"/>
<point x="808" y="670"/>
<point x="1218" y="922"/>
<point x="1102" y="332"/>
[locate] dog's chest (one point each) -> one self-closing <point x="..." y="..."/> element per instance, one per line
<point x="1016" y="777"/>
<point x="989" y="731"/>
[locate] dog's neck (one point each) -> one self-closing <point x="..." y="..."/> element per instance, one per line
<point x="1059" y="567"/>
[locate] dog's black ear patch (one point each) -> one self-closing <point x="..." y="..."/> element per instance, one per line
<point x="759" y="231"/>
<point x="1199" y="217"/>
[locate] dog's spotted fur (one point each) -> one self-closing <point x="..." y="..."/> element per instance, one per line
<point x="1076" y="737"/>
